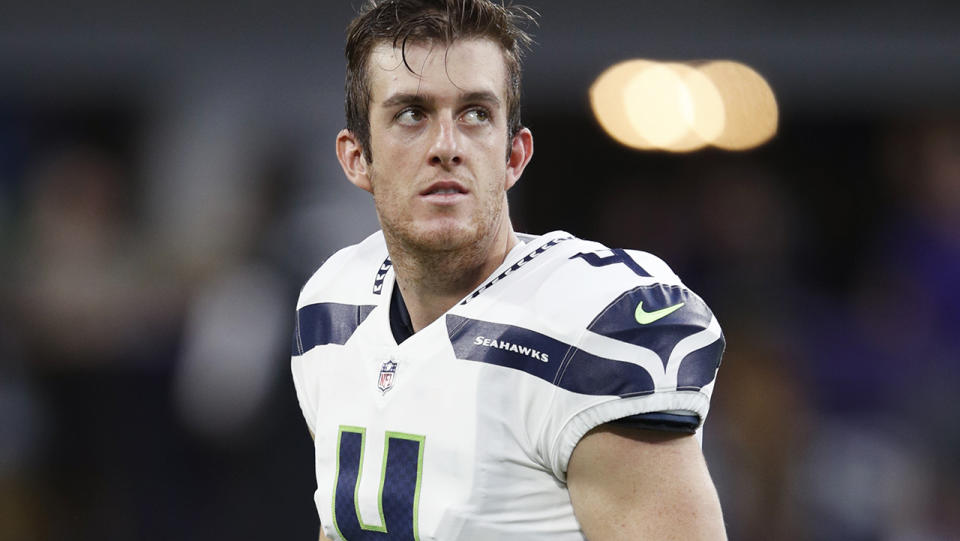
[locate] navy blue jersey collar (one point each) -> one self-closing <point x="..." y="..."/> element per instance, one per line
<point x="400" y="323"/>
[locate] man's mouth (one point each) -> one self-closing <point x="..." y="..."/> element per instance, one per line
<point x="444" y="187"/>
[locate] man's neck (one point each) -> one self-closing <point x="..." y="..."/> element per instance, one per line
<point x="431" y="283"/>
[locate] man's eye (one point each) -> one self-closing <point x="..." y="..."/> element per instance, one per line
<point x="409" y="117"/>
<point x="476" y="116"/>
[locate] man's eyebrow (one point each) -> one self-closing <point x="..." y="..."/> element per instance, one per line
<point x="481" y="96"/>
<point x="403" y="98"/>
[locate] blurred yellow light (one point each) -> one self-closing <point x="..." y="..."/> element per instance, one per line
<point x="751" y="108"/>
<point x="709" y="113"/>
<point x="608" y="100"/>
<point x="681" y="107"/>
<point x="661" y="108"/>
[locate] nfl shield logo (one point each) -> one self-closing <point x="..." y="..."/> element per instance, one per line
<point x="387" y="372"/>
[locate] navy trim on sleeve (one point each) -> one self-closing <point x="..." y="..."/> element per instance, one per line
<point x="699" y="367"/>
<point x="327" y="323"/>
<point x="664" y="422"/>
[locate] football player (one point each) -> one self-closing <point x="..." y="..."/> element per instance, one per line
<point x="462" y="381"/>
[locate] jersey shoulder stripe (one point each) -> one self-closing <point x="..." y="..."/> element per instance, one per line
<point x="546" y="358"/>
<point x="655" y="316"/>
<point x="625" y="306"/>
<point x="341" y="294"/>
<point x="327" y="323"/>
<point x="659" y="317"/>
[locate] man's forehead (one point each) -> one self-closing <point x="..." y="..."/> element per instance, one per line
<point x="386" y="49"/>
<point x="470" y="65"/>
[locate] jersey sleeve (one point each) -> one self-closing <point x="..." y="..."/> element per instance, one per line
<point x="309" y="323"/>
<point x="328" y="311"/>
<point x="301" y="376"/>
<point x="652" y="354"/>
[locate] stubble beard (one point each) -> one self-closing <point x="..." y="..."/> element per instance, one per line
<point x="447" y="252"/>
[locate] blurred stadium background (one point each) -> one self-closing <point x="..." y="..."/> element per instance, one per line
<point x="167" y="183"/>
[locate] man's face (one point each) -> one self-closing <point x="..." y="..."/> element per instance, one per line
<point x="439" y="142"/>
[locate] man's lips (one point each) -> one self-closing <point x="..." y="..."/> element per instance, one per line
<point x="444" y="187"/>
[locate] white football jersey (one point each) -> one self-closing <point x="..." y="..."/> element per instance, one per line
<point x="464" y="430"/>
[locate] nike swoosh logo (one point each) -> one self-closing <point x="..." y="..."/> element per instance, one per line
<point x="645" y="318"/>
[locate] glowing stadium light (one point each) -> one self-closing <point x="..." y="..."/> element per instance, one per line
<point x="608" y="100"/>
<point x="751" y="108"/>
<point x="680" y="107"/>
<point x="661" y="109"/>
<point x="708" y="118"/>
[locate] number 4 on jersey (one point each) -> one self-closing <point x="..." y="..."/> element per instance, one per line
<point x="617" y="256"/>
<point x="399" y="495"/>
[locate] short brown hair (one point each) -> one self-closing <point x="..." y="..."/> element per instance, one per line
<point x="400" y="22"/>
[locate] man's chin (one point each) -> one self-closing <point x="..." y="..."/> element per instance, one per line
<point x="442" y="237"/>
<point x="447" y="239"/>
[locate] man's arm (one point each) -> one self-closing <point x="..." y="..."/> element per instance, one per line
<point x="627" y="483"/>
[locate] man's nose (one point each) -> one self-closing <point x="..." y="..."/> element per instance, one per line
<point x="446" y="150"/>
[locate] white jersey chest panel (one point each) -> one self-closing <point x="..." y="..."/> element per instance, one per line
<point x="494" y="439"/>
<point x="480" y="470"/>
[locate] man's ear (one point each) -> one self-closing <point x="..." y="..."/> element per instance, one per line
<point x="352" y="160"/>
<point x="521" y="150"/>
